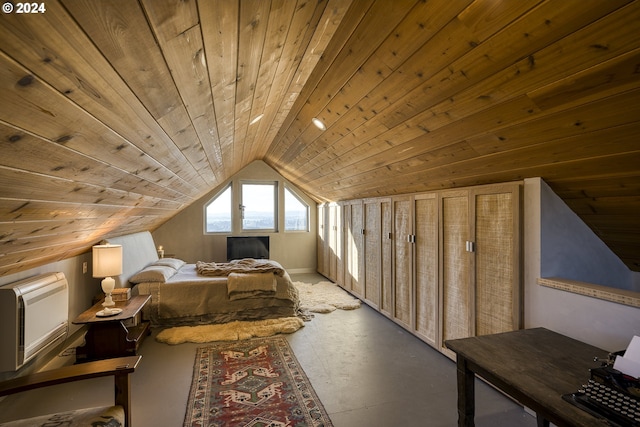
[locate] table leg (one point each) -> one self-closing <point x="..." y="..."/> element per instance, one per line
<point x="542" y="422"/>
<point x="466" y="393"/>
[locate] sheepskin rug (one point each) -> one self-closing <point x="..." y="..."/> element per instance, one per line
<point x="324" y="297"/>
<point x="232" y="331"/>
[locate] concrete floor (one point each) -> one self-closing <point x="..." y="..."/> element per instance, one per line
<point x="366" y="370"/>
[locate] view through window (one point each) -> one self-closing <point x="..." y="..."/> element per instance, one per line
<point x="259" y="206"/>
<point x="218" y="213"/>
<point x="296" y="212"/>
<point x="257" y="209"/>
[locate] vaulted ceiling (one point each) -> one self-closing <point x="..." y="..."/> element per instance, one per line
<point x="115" y="115"/>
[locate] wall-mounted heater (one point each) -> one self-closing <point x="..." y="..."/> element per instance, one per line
<point x="34" y="314"/>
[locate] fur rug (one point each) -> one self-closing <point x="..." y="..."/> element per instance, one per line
<point x="232" y="331"/>
<point x="324" y="297"/>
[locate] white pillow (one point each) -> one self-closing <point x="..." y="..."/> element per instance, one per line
<point x="153" y="273"/>
<point x="170" y="262"/>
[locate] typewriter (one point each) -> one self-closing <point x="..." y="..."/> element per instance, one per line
<point x="611" y="395"/>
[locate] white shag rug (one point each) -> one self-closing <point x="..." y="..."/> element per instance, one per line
<point x="324" y="297"/>
<point x="232" y="331"/>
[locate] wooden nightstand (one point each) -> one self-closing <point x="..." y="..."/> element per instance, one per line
<point x="111" y="336"/>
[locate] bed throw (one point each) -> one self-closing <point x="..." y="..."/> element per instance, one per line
<point x="247" y="265"/>
<point x="251" y="285"/>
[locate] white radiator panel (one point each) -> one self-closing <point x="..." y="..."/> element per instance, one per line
<point x="33" y="315"/>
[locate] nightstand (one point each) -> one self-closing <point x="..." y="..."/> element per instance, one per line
<point x="112" y="336"/>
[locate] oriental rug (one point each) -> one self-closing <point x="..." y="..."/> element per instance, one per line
<point x="252" y="383"/>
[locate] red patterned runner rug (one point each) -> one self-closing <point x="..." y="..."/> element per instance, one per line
<point x="252" y="383"/>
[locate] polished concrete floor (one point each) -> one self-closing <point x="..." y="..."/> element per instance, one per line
<point x="366" y="370"/>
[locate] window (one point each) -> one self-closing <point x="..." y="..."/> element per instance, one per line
<point x="218" y="213"/>
<point x="258" y="206"/>
<point x="296" y="212"/>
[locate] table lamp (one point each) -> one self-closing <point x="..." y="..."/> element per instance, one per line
<point x="107" y="262"/>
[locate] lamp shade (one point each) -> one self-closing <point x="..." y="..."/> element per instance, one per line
<point x="107" y="260"/>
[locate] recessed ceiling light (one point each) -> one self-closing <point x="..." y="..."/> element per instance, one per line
<point x="256" y="119"/>
<point x="316" y="121"/>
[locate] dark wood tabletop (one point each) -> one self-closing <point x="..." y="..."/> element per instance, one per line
<point x="130" y="308"/>
<point x="535" y="366"/>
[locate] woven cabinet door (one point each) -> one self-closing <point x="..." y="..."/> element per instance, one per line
<point x="356" y="244"/>
<point x="332" y="233"/>
<point x="426" y="266"/>
<point x="340" y="244"/>
<point x="497" y="266"/>
<point x="372" y="254"/>
<point x="322" y="244"/>
<point x="386" y="275"/>
<point x="402" y="260"/>
<point x="347" y="247"/>
<point x="456" y="267"/>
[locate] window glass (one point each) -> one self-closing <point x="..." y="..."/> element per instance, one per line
<point x="258" y="206"/>
<point x="218" y="213"/>
<point x="296" y="212"/>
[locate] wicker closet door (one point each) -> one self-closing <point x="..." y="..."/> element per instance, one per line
<point x="426" y="266"/>
<point x="456" y="266"/>
<point x="339" y="245"/>
<point x="321" y="241"/>
<point x="372" y="252"/>
<point x="386" y="304"/>
<point x="332" y="235"/>
<point x="497" y="277"/>
<point x="357" y="253"/>
<point x="348" y="246"/>
<point x="402" y="280"/>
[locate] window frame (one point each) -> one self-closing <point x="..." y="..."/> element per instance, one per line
<point x="284" y="213"/>
<point x="241" y="205"/>
<point x="231" y="215"/>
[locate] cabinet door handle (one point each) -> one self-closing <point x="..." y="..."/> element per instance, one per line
<point x="471" y="246"/>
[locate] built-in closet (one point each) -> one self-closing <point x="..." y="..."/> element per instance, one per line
<point x="442" y="264"/>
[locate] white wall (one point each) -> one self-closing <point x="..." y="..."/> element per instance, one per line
<point x="184" y="237"/>
<point x="82" y="289"/>
<point x="601" y="323"/>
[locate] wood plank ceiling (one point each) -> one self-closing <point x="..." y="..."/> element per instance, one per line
<point x="115" y="115"/>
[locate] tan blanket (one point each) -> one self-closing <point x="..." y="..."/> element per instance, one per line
<point x="251" y="285"/>
<point x="247" y="265"/>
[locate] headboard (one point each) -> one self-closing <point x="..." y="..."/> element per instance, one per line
<point x="138" y="251"/>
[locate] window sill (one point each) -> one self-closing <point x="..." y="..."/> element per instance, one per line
<point x="620" y="296"/>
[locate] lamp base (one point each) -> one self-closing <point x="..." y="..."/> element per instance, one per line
<point x="107" y="312"/>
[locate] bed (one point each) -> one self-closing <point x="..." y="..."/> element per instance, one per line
<point x="240" y="290"/>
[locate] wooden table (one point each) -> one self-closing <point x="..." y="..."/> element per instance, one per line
<point x="110" y="336"/>
<point x="534" y="366"/>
